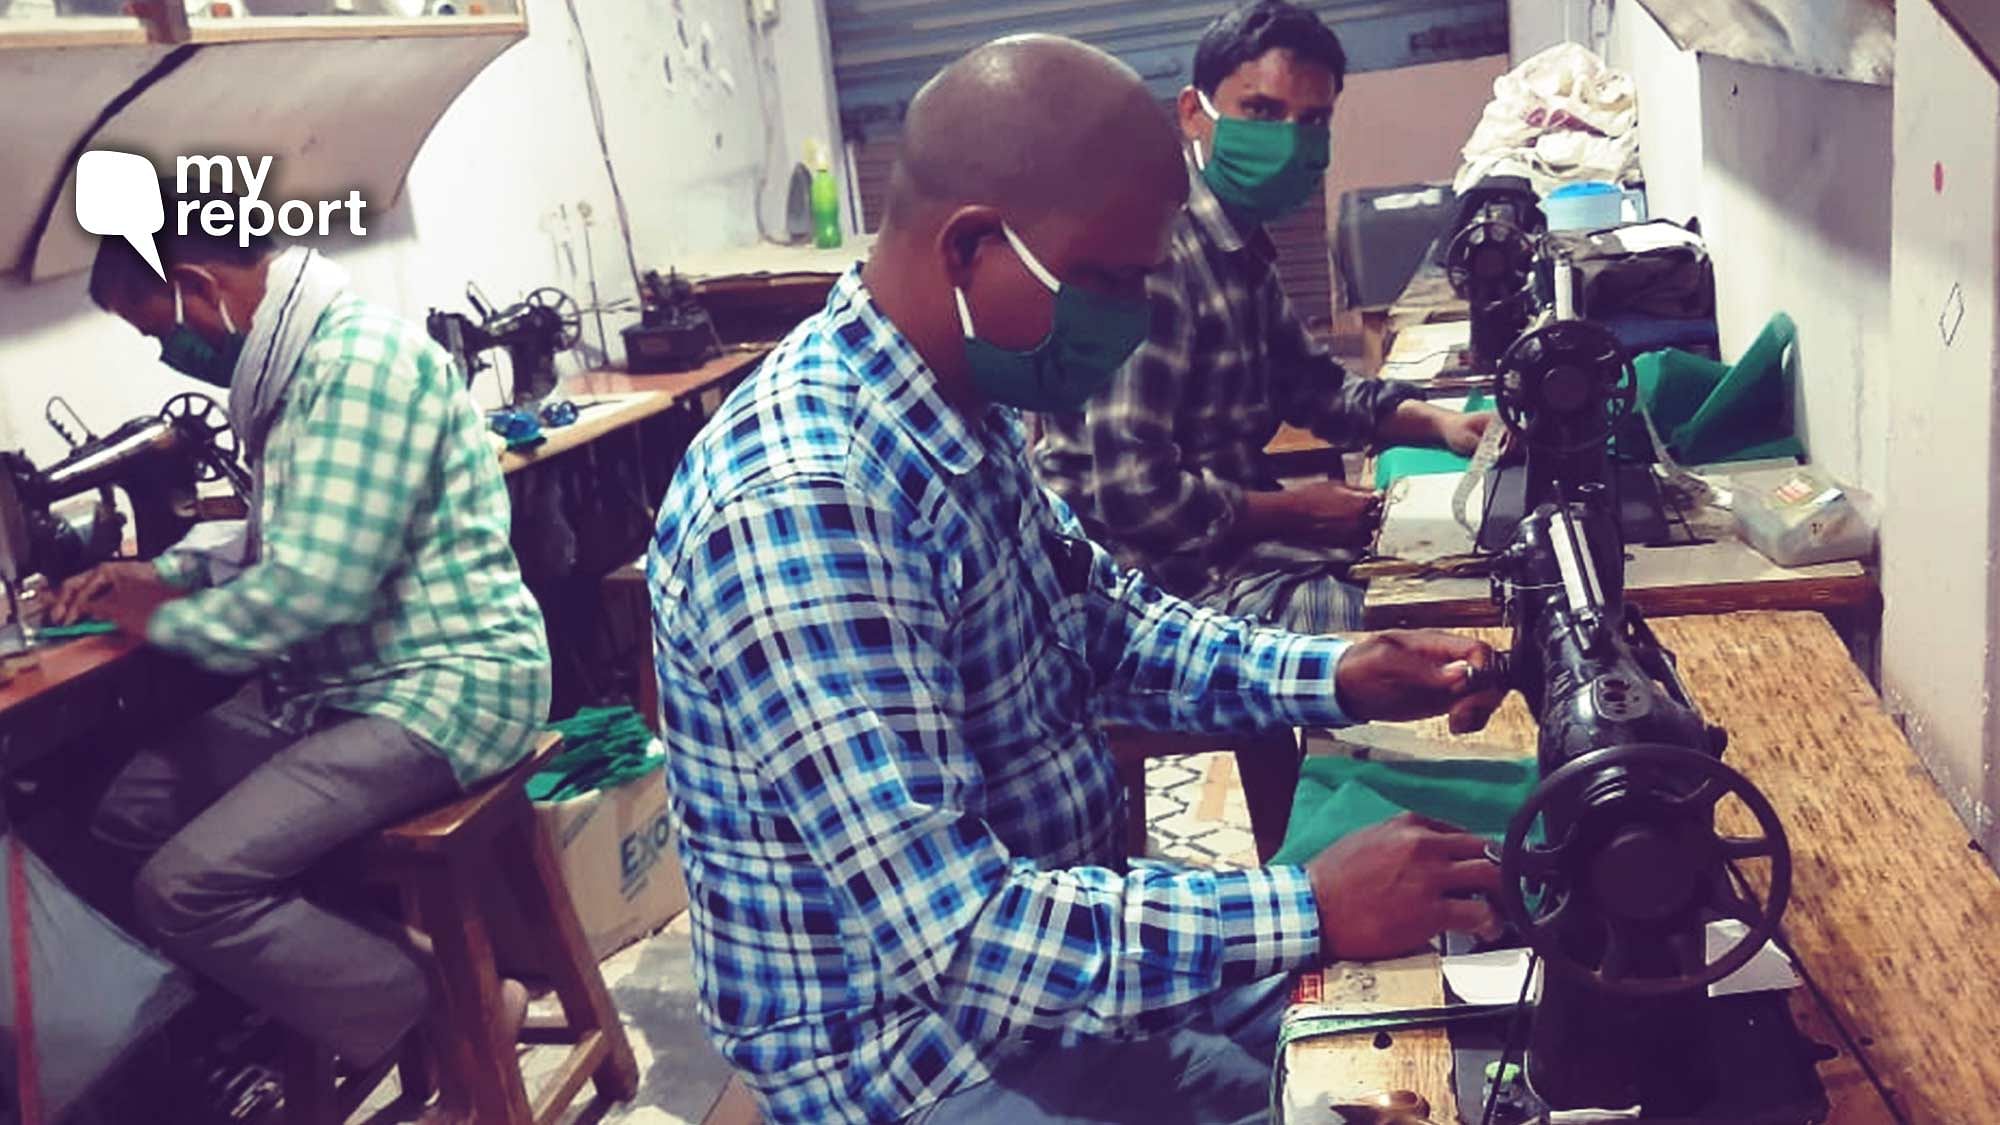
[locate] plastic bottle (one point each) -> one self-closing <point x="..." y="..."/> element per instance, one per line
<point x="825" y="198"/>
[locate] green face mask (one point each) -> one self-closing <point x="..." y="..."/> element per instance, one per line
<point x="187" y="352"/>
<point x="1263" y="169"/>
<point x="1091" y="338"/>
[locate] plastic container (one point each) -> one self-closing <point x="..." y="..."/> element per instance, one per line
<point x="825" y="198"/>
<point x="1590" y="205"/>
<point x="1800" y="516"/>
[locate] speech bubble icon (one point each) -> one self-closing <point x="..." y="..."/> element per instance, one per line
<point x="118" y="193"/>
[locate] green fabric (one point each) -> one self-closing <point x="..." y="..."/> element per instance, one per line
<point x="385" y="582"/>
<point x="71" y="632"/>
<point x="1710" y="413"/>
<point x="1340" y="795"/>
<point x="603" y="748"/>
<point x="1401" y="461"/>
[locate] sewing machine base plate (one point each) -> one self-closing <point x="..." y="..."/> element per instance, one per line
<point x="1642" y="509"/>
<point x="1766" y="1069"/>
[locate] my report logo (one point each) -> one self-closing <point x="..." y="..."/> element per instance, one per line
<point x="118" y="194"/>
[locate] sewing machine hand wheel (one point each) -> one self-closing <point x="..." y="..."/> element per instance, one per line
<point x="1642" y="864"/>
<point x="203" y="417"/>
<point x="566" y="311"/>
<point x="1566" y="386"/>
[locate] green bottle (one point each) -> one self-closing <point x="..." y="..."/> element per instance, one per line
<point x="825" y="198"/>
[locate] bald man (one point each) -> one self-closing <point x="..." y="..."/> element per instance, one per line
<point x="884" y="655"/>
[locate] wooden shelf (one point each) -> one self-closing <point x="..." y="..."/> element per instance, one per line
<point x="72" y="31"/>
<point x="128" y="31"/>
<point x="268" y="29"/>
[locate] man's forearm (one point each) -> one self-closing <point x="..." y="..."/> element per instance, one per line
<point x="1415" y="423"/>
<point x="1263" y="515"/>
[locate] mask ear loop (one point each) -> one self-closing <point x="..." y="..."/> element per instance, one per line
<point x="1208" y="107"/>
<point x="964" y="314"/>
<point x="180" y="316"/>
<point x="1029" y="260"/>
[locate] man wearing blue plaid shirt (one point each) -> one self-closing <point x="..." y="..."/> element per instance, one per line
<point x="885" y="655"/>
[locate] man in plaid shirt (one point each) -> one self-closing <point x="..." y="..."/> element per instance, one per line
<point x="885" y="657"/>
<point x="374" y="591"/>
<point x="1166" y="465"/>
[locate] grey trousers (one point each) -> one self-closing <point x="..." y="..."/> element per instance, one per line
<point x="1215" y="1071"/>
<point x="234" y="811"/>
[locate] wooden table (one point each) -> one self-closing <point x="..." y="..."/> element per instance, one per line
<point x="1426" y="299"/>
<point x="76" y="687"/>
<point x="1893" y="913"/>
<point x="93" y="684"/>
<point x="609" y="401"/>
<point x="1723" y="575"/>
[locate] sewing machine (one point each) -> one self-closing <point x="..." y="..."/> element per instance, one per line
<point x="1642" y="870"/>
<point x="1546" y="371"/>
<point x="157" y="460"/>
<point x="1489" y="259"/>
<point x="531" y="331"/>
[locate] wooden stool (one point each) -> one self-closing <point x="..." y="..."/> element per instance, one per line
<point x="1267" y="762"/>
<point x="437" y="862"/>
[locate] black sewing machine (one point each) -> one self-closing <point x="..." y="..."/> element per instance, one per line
<point x="157" y="460"/>
<point x="531" y="331"/>
<point x="1555" y="366"/>
<point x="1638" y="837"/>
<point x="1489" y="259"/>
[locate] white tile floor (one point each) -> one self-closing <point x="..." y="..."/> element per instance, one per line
<point x="1195" y="815"/>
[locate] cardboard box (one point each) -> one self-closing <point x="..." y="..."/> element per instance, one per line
<point x="616" y="851"/>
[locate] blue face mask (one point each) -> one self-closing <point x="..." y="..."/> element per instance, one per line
<point x="187" y="352"/>
<point x="1092" y="336"/>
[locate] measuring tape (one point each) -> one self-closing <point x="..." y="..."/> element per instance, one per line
<point x="1491" y="443"/>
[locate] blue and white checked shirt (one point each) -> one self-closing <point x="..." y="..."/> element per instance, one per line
<point x="884" y="654"/>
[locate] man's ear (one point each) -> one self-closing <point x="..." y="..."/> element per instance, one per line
<point x="1194" y="121"/>
<point x="196" y="281"/>
<point x="963" y="237"/>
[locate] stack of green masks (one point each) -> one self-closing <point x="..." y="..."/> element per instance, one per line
<point x="603" y="748"/>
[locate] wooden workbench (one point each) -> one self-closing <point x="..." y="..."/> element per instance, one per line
<point x="74" y="688"/>
<point x="1722" y="575"/>
<point x="612" y="400"/>
<point x="1893" y="913"/>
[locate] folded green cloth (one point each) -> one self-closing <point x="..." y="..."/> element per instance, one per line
<point x="1709" y="413"/>
<point x="603" y="748"/>
<point x="1340" y="795"/>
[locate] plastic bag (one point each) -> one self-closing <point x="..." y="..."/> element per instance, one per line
<point x="92" y="994"/>
<point x="1559" y="117"/>
<point x="1801" y="517"/>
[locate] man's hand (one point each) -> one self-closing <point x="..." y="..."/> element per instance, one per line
<point x="124" y="593"/>
<point x="1398" y="676"/>
<point x="1386" y="890"/>
<point x="1326" y="512"/>
<point x="1461" y="433"/>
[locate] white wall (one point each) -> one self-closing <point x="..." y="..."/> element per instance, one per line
<point x="1669" y="84"/>
<point x="1533" y="26"/>
<point x="498" y="193"/>
<point x="1789" y="175"/>
<point x="1939" y="584"/>
<point x="1795" y="194"/>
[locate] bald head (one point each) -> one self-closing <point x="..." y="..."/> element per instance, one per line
<point x="1030" y="124"/>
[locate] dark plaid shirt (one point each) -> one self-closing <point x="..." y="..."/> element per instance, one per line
<point x="1157" y="464"/>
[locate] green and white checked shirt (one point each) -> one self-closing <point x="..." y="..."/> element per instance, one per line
<point x="386" y="584"/>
